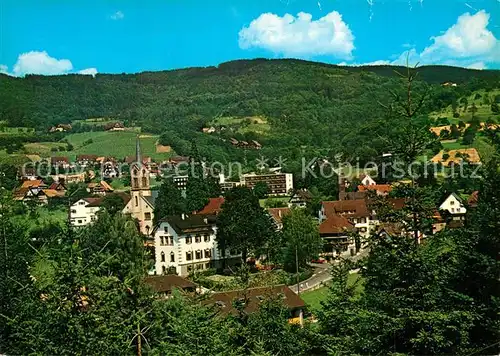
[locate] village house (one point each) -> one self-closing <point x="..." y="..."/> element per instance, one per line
<point x="277" y="215"/>
<point x="208" y="130"/>
<point x="114" y="126"/>
<point x="70" y="178"/>
<point x="379" y="189"/>
<point x="300" y="198"/>
<point x="184" y="243"/>
<point x="86" y="160"/>
<point x="366" y="180"/>
<point x="60" y="162"/>
<point x="101" y="188"/>
<point x="61" y="128"/>
<point x="454" y="206"/>
<point x="251" y="298"/>
<point x="142" y="203"/>
<point x="335" y="230"/>
<point x="84" y="211"/>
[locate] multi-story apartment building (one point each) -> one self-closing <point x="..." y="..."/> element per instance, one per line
<point x="187" y="242"/>
<point x="278" y="183"/>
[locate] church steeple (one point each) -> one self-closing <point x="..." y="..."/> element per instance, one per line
<point x="138" y="156"/>
<point x="139" y="172"/>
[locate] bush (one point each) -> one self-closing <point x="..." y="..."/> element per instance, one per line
<point x="456" y="115"/>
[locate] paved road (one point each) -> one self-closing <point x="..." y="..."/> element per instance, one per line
<point x="322" y="273"/>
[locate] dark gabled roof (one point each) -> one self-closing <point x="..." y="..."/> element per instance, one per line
<point x="254" y="296"/>
<point x="190" y="224"/>
<point x="278" y="213"/>
<point x="303" y="194"/>
<point x="164" y="284"/>
<point x="351" y="208"/>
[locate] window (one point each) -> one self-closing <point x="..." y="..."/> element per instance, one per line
<point x="198" y="255"/>
<point x="165" y="228"/>
<point x="171" y="240"/>
<point x="452" y="210"/>
<point x="144" y="182"/>
<point x="197" y="238"/>
<point x="147" y="216"/>
<point x="81" y="203"/>
<point x="163" y="257"/>
<point x="206" y="238"/>
<point x="189" y="239"/>
<point x="79" y="221"/>
<point x="163" y="269"/>
<point x="189" y="256"/>
<point x="136" y="182"/>
<point x="172" y="257"/>
<point x="207" y="265"/>
<point x="162" y="241"/>
<point x="452" y="202"/>
<point x="136" y="201"/>
<point x="208" y="253"/>
<point x="92" y="218"/>
<point x="363" y="221"/>
<point x="73" y="211"/>
<point x="190" y="268"/>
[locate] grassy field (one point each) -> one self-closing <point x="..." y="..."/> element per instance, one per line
<point x="15" y="130"/>
<point x="257" y="124"/>
<point x="118" y="144"/>
<point x="283" y="200"/>
<point x="314" y="298"/>
<point x="485" y="150"/>
<point x="483" y="110"/>
<point x="43" y="216"/>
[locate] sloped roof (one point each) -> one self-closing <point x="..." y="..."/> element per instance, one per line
<point x="473" y="199"/>
<point x="86" y="157"/>
<point x="190" y="224"/>
<point x="214" y="206"/>
<point x="351" y="208"/>
<point x="278" y="213"/>
<point x="254" y="296"/>
<point x="53" y="193"/>
<point x="383" y="188"/>
<point x="164" y="284"/>
<point x="335" y="224"/>
<point x="33" y="183"/>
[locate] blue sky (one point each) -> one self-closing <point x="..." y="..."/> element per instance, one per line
<point x="57" y="37"/>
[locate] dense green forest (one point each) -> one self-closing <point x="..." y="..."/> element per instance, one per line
<point x="324" y="108"/>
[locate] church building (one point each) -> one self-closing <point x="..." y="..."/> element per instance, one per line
<point x="142" y="200"/>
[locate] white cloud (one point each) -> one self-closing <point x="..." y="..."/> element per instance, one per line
<point x="374" y="63"/>
<point x="469" y="37"/>
<point x="35" y="62"/>
<point x="117" y="15"/>
<point x="299" y="36"/>
<point x="468" y="43"/>
<point x="88" y="71"/>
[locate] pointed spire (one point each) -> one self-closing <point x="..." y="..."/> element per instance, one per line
<point x="138" y="157"/>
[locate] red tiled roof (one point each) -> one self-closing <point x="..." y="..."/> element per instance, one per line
<point x="383" y="188"/>
<point x="214" y="206"/>
<point x="278" y="213"/>
<point x="335" y="224"/>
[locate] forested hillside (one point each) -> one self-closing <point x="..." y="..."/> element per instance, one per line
<point x="325" y="108"/>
